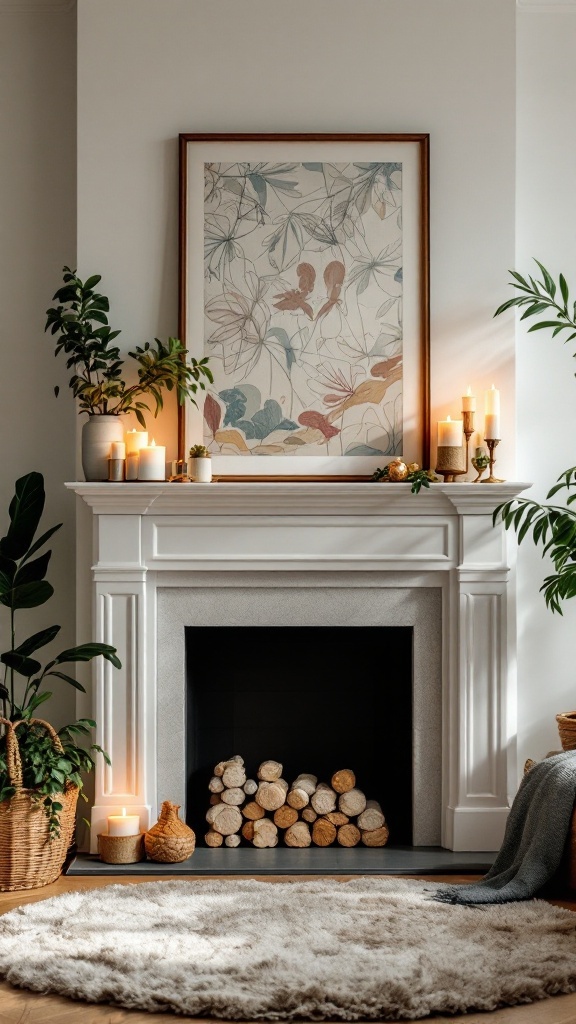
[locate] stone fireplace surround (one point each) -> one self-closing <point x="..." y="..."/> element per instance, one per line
<point x="171" y="555"/>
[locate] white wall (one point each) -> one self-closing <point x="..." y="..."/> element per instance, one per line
<point x="149" y="69"/>
<point x="546" y="229"/>
<point x="37" y="214"/>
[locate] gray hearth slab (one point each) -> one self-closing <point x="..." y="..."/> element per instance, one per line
<point x="399" y="860"/>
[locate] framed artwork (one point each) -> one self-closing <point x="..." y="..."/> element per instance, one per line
<point x="304" y="274"/>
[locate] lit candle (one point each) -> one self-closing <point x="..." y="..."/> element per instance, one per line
<point x="449" y="433"/>
<point x="152" y="462"/>
<point x="123" y="824"/>
<point x="135" y="440"/>
<point x="492" y="413"/>
<point x="468" y="401"/>
<point x="118" y="450"/>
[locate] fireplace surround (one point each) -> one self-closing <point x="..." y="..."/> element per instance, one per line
<point x="169" y="556"/>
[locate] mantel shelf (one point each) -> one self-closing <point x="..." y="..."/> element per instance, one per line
<point x="279" y="498"/>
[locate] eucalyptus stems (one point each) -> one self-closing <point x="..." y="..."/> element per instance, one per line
<point x="84" y="334"/>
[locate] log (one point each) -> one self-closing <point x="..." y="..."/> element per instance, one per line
<point x="212" y="812"/>
<point x="352" y="802"/>
<point x="323" y="832"/>
<point x="343" y="781"/>
<point x="213" y="838"/>
<point x="227" y="820"/>
<point x="219" y="769"/>
<point x="234" y="796"/>
<point x="349" y="835"/>
<point x="324" y="799"/>
<point x="250" y="787"/>
<point x="298" y="835"/>
<point x="233" y="840"/>
<point x="248" y="830"/>
<point x="298" y="798"/>
<point x="378" y="837"/>
<point x="309" y="814"/>
<point x="371" y="817"/>
<point x="306" y="782"/>
<point x="265" y="834"/>
<point x="253" y="811"/>
<point x="215" y="798"/>
<point x="271" y="795"/>
<point x="215" y="785"/>
<point x="337" y="818"/>
<point x="234" y="775"/>
<point x="222" y="765"/>
<point x="285" y="816"/>
<point x="269" y="771"/>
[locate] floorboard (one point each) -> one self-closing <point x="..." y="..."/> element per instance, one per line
<point x="21" y="1007"/>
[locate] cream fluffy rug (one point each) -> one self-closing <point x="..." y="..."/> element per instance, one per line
<point x="367" y="949"/>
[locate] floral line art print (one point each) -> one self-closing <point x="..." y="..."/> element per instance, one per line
<point x="303" y="308"/>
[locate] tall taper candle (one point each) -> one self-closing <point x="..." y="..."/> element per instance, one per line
<point x="468" y="401"/>
<point x="492" y="412"/>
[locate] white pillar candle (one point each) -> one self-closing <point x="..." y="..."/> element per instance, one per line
<point x="132" y="463"/>
<point x="152" y="462"/>
<point x="449" y="433"/>
<point x="469" y="401"/>
<point x="135" y="440"/>
<point x="492" y="413"/>
<point x="123" y="824"/>
<point x="118" y="450"/>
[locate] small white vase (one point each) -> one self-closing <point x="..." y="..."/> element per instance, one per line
<point x="98" y="433"/>
<point x="200" y="470"/>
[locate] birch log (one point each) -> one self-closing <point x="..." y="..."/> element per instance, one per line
<point x="234" y="796"/>
<point x="298" y="835"/>
<point x="271" y="795"/>
<point x="213" y="838"/>
<point x="227" y="819"/>
<point x="233" y="840"/>
<point x="306" y="782"/>
<point x="371" y="817"/>
<point x="215" y="785"/>
<point x="250" y="787"/>
<point x="234" y="776"/>
<point x="265" y="833"/>
<point x="269" y="771"/>
<point x="352" y="802"/>
<point x="324" y="799"/>
<point x="298" y="798"/>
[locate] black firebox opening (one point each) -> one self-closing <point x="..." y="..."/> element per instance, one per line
<point x="315" y="698"/>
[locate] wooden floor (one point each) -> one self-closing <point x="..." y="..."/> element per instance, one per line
<point x="21" y="1007"/>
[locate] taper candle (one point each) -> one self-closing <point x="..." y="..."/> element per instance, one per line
<point x="492" y="414"/>
<point x="469" y="401"/>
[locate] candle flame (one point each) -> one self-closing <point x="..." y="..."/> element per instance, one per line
<point x="493" y="388"/>
<point x="123" y="812"/>
<point x="152" y="443"/>
<point x="448" y="420"/>
<point x="469" y="392"/>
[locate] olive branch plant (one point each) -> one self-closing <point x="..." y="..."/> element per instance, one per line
<point x="552" y="526"/>
<point x="23" y="585"/>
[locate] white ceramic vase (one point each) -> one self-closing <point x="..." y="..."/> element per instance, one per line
<point x="200" y="470"/>
<point x="98" y="433"/>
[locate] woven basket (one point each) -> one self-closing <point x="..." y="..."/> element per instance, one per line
<point x="29" y="856"/>
<point x="567" y="729"/>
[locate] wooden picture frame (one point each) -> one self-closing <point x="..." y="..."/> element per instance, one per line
<point x="311" y="298"/>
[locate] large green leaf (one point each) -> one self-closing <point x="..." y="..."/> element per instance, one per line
<point x="25" y="511"/>
<point x="37" y="640"/>
<point x="41" y="540"/>
<point x="86" y="652"/>
<point x="24" y="666"/>
<point x="67" y="679"/>
<point x="29" y="595"/>
<point x="34" y="571"/>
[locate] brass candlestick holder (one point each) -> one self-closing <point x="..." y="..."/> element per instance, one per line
<point x="468" y="428"/>
<point x="491" y="479"/>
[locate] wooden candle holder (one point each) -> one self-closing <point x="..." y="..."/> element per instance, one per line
<point x="121" y="849"/>
<point x="449" y="462"/>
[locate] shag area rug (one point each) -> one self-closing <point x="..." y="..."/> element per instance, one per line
<point x="367" y="949"/>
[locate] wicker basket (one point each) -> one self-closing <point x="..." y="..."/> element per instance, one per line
<point x="29" y="856"/>
<point x="567" y="729"/>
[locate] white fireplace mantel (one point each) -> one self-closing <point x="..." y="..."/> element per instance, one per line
<point x="152" y="536"/>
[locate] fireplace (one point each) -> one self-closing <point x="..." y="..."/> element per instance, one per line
<point x="314" y="698"/>
<point x="293" y="556"/>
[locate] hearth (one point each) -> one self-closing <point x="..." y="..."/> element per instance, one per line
<point x="315" y="698"/>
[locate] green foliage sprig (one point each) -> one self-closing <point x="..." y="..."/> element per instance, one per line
<point x="417" y="477"/>
<point x="552" y="526"/>
<point x="22" y="689"/>
<point x="81" y="322"/>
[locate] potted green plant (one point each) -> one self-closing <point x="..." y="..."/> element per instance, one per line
<point x="199" y="464"/>
<point x="40" y="769"/>
<point x="80" y="322"/>
<point x="551" y="526"/>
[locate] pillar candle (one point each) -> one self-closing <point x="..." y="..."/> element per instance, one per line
<point x="449" y="433"/>
<point x="132" y="463"/>
<point x="492" y="413"/>
<point x="152" y="462"/>
<point x="135" y="440"/>
<point x="123" y="824"/>
<point x="118" y="450"/>
<point x="468" y="401"/>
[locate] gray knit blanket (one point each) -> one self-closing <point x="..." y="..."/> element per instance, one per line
<point x="534" y="839"/>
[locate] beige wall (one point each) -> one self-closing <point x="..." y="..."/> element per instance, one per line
<point x="37" y="214"/>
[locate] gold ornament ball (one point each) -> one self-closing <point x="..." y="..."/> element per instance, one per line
<point x="397" y="471"/>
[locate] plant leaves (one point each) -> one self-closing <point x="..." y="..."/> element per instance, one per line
<point x="37" y="640"/>
<point x="86" y="652"/>
<point x="67" y="679"/>
<point x="29" y="595"/>
<point x="24" y="666"/>
<point x="25" y="512"/>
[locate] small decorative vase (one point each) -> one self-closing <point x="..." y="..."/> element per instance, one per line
<point x="200" y="469"/>
<point x="567" y="729"/>
<point x="169" y="841"/>
<point x="98" y="434"/>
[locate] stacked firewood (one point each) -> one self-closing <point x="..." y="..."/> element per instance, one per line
<point x="307" y="813"/>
